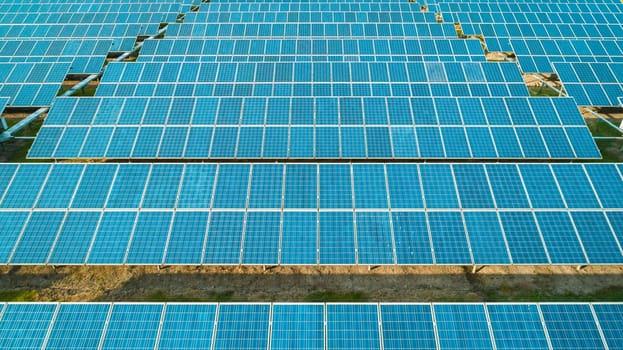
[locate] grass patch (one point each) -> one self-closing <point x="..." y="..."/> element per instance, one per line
<point x="609" y="294"/>
<point x="86" y="91"/>
<point x="542" y="91"/>
<point x="331" y="296"/>
<point x="611" y="150"/>
<point x="161" y="296"/>
<point x="18" y="295"/>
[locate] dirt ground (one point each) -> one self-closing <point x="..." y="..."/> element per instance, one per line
<point x="385" y="283"/>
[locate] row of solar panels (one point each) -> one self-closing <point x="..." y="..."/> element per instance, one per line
<point x="311" y="186"/>
<point x="560" y="7"/>
<point x="309" y="17"/>
<point x="314" y="128"/>
<point x="314" y="111"/>
<point x="345" y="142"/>
<point x="312" y="50"/>
<point x="85" y="56"/>
<point x="122" y="35"/>
<point x="330" y="72"/>
<point x="87" y="18"/>
<point x="307" y="89"/>
<point x="599" y="8"/>
<point x="294" y="237"/>
<point x="534" y="17"/>
<point x="317" y="79"/>
<point x="333" y="6"/>
<point x="498" y="35"/>
<point x="100" y="6"/>
<point x="31" y="84"/>
<point x="537" y="55"/>
<point x="592" y="84"/>
<point x="311" y="326"/>
<point x="339" y="30"/>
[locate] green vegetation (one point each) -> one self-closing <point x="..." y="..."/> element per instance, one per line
<point x="611" y="150"/>
<point x="88" y="90"/>
<point x="161" y="296"/>
<point x="331" y="296"/>
<point x="614" y="293"/>
<point x="542" y="91"/>
<point x="18" y="295"/>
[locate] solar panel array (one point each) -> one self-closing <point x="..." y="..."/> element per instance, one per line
<point x="85" y="56"/>
<point x="592" y="84"/>
<point x="537" y="55"/>
<point x="312" y="50"/>
<point x="42" y="42"/>
<point x="551" y="36"/>
<point x="312" y="79"/>
<point x="120" y="22"/>
<point x="311" y="326"/>
<point x="314" y="128"/>
<point x="299" y="214"/>
<point x="31" y="84"/>
<point x="504" y="21"/>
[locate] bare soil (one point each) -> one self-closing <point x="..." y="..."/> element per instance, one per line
<point x="383" y="284"/>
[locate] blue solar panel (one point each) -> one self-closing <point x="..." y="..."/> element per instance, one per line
<point x="132" y="326"/>
<point x="407" y="326"/>
<point x="338" y="132"/>
<point x="261" y="238"/>
<point x="485" y="237"/>
<point x="571" y="326"/>
<point x="344" y="332"/>
<point x="598" y="241"/>
<point x="297" y="326"/>
<point x="610" y="320"/>
<point x="72" y="245"/>
<point x="37" y="239"/>
<point x="411" y="237"/>
<point x="337" y="242"/>
<point x="524" y="240"/>
<point x="78" y="326"/>
<point x="25" y="186"/>
<point x="517" y="326"/>
<point x="187" y="326"/>
<point x="374" y="239"/>
<point x="448" y="238"/>
<point x="185" y="242"/>
<point x="24" y="326"/>
<point x="462" y="326"/>
<point x="112" y="238"/>
<point x="149" y="238"/>
<point x="311" y="326"/>
<point x="225" y="238"/>
<point x="241" y="326"/>
<point x="299" y="238"/>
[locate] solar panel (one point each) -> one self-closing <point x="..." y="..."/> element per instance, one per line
<point x="298" y="326"/>
<point x="311" y="50"/>
<point x="242" y="326"/>
<point x="592" y="84"/>
<point x="443" y="128"/>
<point x="517" y="326"/>
<point x="31" y="84"/>
<point x="132" y="325"/>
<point x="310" y="326"/>
<point x="78" y="326"/>
<point x="369" y="214"/>
<point x="326" y="79"/>
<point x="344" y="332"/>
<point x="462" y="326"/>
<point x="565" y="321"/>
<point x="85" y="56"/>
<point x="537" y="55"/>
<point x="187" y="326"/>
